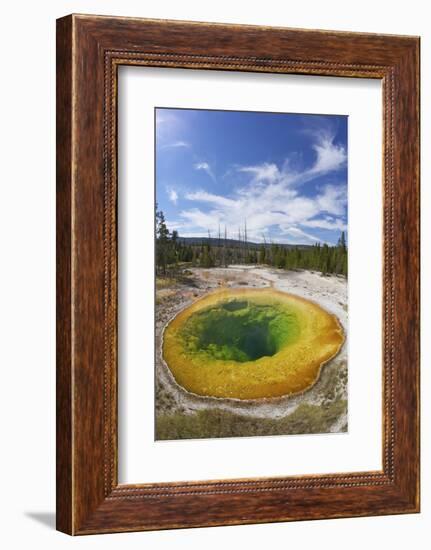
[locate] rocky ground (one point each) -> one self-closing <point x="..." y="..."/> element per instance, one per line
<point x="323" y="408"/>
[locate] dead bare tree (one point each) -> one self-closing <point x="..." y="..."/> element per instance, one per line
<point x="224" y="247"/>
<point x="218" y="246"/>
<point x="245" y="242"/>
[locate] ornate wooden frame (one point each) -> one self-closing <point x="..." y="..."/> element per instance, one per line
<point x="89" y="51"/>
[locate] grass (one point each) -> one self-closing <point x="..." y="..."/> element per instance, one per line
<point x="165" y="282"/>
<point x="184" y="277"/>
<point x="212" y="423"/>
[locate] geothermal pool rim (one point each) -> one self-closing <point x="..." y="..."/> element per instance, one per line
<point x="226" y="294"/>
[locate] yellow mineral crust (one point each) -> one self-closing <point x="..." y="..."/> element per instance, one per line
<point x="292" y="369"/>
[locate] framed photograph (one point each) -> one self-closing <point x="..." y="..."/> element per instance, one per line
<point x="237" y="274"/>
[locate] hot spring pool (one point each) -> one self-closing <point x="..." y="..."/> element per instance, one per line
<point x="250" y="344"/>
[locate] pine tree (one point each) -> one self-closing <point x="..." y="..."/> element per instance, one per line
<point x="342" y="241"/>
<point x="162" y="241"/>
<point x="225" y="262"/>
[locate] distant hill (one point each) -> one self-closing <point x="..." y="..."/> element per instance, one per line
<point x="235" y="243"/>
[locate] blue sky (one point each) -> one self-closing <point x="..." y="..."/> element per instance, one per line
<point x="284" y="175"/>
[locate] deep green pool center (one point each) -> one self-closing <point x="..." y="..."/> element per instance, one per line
<point x="240" y="330"/>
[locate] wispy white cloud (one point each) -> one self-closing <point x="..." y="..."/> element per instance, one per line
<point x="268" y="172"/>
<point x="173" y="195"/>
<point x="203" y="196"/>
<point x="273" y="200"/>
<point x="166" y="121"/>
<point x="170" y="130"/>
<point x="326" y="223"/>
<point x="206" y="168"/>
<point x="203" y="221"/>
<point x="330" y="157"/>
<point x="176" y="145"/>
<point x="271" y="209"/>
<point x="299" y="235"/>
<point x="333" y="200"/>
